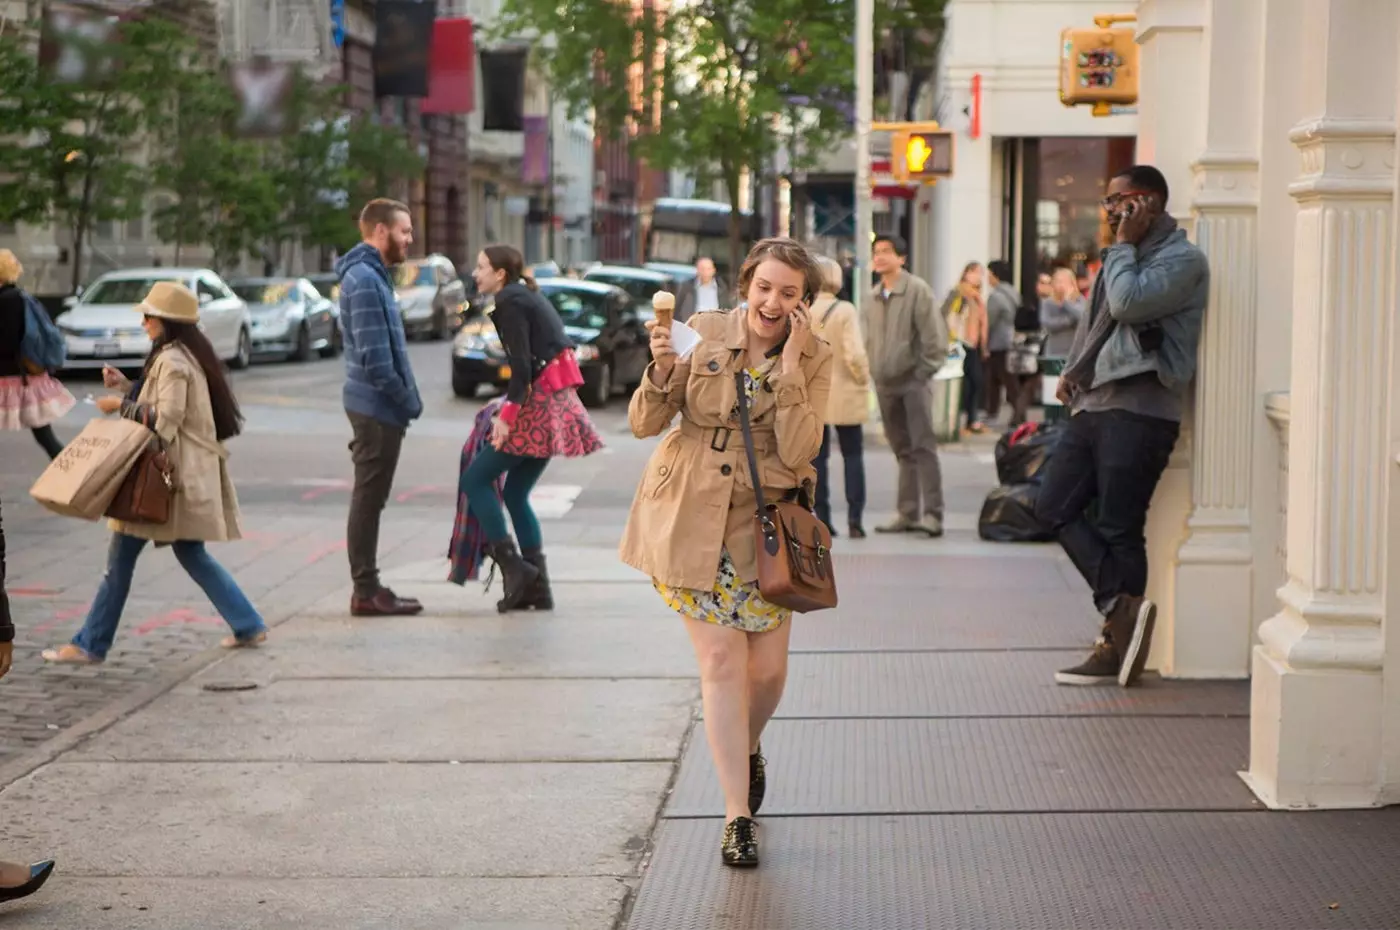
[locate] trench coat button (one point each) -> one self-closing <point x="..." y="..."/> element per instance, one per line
<point x="713" y="366"/>
<point x="726" y="470"/>
<point x="664" y="471"/>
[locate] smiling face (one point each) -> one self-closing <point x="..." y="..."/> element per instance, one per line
<point x="488" y="280"/>
<point x="774" y="292"/>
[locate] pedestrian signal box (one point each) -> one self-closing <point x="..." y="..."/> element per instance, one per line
<point x="918" y="154"/>
<point x="1098" y="66"/>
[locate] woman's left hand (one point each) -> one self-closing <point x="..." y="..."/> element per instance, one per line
<point x="500" y="432"/>
<point x="801" y="323"/>
<point x="109" y="404"/>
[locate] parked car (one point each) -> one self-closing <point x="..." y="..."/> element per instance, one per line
<point x="430" y="296"/>
<point x="605" y="323"/>
<point x="682" y="274"/>
<point x="290" y="317"/>
<point x="101" y="325"/>
<point x="327" y="283"/>
<point x="641" y="283"/>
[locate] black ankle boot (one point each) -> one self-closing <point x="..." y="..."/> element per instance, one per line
<point x="539" y="597"/>
<point x="517" y="575"/>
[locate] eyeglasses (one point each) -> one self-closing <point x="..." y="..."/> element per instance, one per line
<point x="1112" y="201"/>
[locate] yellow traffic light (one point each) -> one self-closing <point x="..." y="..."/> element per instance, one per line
<point x="1098" y="66"/>
<point x="919" y="154"/>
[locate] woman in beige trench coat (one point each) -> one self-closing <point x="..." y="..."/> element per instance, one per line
<point x="835" y="321"/>
<point x="185" y="400"/>
<point x="691" y="525"/>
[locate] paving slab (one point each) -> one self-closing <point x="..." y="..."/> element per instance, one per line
<point x="934" y="569"/>
<point x="513" y="720"/>
<point x="321" y="904"/>
<point x="567" y="564"/>
<point x="443" y="599"/>
<point x="988" y="765"/>
<point x="1106" y="871"/>
<point x="984" y="684"/>
<point x="307" y="820"/>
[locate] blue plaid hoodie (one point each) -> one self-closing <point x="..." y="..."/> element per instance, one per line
<point x="378" y="379"/>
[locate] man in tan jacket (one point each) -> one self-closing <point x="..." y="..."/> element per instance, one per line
<point x="907" y="342"/>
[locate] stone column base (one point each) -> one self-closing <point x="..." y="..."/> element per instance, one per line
<point x="1213" y="627"/>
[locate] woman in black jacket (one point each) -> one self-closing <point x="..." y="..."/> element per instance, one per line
<point x="541" y="418"/>
<point x="16" y="879"/>
<point x="30" y="398"/>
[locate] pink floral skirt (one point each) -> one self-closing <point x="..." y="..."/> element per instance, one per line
<point x="553" y="425"/>
<point x="32" y="401"/>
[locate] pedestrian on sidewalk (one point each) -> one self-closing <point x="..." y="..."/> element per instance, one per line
<point x="835" y="321"/>
<point x="185" y="399"/>
<point x="381" y="396"/>
<point x="907" y="343"/>
<point x="30" y="396"/>
<point x="541" y="418"/>
<point x="1061" y="312"/>
<point x="1002" y="303"/>
<point x="965" y="315"/>
<point x="1134" y="354"/>
<point x="16" y="879"/>
<point x="691" y="524"/>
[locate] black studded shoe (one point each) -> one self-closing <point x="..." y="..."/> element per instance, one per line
<point x="740" y="846"/>
<point x="758" y="780"/>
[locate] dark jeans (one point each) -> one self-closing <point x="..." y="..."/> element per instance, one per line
<point x="852" y="465"/>
<point x="1115" y="459"/>
<point x="375" y="451"/>
<point x="972" y="390"/>
<point x="478" y="484"/>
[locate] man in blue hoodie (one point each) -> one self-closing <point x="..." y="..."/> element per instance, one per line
<point x="381" y="396"/>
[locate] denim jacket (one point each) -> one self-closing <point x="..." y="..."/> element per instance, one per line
<point x="1156" y="293"/>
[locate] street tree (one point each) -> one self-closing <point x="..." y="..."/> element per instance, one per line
<point x="706" y="86"/>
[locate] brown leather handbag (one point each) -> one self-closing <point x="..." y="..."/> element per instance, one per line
<point x="147" y="494"/>
<point x="795" y="569"/>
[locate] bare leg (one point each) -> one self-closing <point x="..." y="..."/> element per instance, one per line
<point x="722" y="654"/>
<point x="768" y="662"/>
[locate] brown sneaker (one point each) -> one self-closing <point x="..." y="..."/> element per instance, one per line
<point x="930" y="526"/>
<point x="898" y="525"/>
<point x="1130" y="626"/>
<point x="384" y="603"/>
<point x="1101" y="668"/>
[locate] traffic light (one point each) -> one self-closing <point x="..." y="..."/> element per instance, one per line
<point x="1098" y="66"/>
<point x="919" y="154"/>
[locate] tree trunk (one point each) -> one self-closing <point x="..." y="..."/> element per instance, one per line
<point x="736" y="225"/>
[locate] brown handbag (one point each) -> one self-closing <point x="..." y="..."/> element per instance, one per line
<point x="147" y="494"/>
<point x="795" y="569"/>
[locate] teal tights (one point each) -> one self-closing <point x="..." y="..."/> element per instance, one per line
<point x="521" y="474"/>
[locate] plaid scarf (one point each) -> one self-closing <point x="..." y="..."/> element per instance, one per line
<point x="467" y="548"/>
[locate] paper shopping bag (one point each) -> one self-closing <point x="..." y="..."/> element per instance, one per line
<point x="85" y="477"/>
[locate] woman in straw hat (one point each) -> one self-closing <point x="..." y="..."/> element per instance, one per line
<point x="184" y="398"/>
<point x="30" y="398"/>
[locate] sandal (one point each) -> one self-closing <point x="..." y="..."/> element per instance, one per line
<point x="70" y="654"/>
<point x="252" y="642"/>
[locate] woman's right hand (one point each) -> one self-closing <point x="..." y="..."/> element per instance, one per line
<point x="663" y="355"/>
<point x="113" y="379"/>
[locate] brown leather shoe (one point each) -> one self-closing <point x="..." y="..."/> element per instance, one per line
<point x="384" y="603"/>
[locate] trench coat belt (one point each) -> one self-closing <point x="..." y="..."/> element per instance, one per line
<point x="721" y="438"/>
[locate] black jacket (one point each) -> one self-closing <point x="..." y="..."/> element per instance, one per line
<point x="531" y="333"/>
<point x="11" y="331"/>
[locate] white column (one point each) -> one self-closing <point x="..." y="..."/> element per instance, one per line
<point x="1213" y="628"/>
<point x="1317" y="708"/>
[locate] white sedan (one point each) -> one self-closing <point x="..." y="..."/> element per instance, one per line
<point x="102" y="327"/>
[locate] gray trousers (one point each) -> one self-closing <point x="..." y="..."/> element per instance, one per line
<point x="375" y="451"/>
<point x="907" y="412"/>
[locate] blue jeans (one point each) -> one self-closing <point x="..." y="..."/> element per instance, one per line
<point x="100" y="628"/>
<point x="478" y="481"/>
<point x="849" y="439"/>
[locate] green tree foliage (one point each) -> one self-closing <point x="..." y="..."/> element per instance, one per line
<point x="703" y="84"/>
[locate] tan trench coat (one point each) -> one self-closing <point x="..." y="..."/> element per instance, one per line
<point x="696" y="495"/>
<point x="835" y="321"/>
<point x="205" y="508"/>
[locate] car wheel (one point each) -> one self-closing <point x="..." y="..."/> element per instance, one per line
<point x="244" y="357"/>
<point x="597" y="391"/>
<point x="463" y="387"/>
<point x="303" y="350"/>
<point x="333" y="344"/>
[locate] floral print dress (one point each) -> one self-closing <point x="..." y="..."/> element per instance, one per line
<point x="731" y="602"/>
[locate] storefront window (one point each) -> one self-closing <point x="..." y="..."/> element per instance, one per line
<point x="1070" y="228"/>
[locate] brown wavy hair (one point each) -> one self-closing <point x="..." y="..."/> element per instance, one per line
<point x="788" y="251"/>
<point x="507" y="258"/>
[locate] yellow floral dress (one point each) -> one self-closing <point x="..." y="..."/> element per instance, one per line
<point x="731" y="602"/>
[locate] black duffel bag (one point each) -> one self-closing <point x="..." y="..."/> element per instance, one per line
<point x="1008" y="515"/>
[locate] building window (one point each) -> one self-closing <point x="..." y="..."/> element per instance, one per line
<point x="104" y="231"/>
<point x="136" y="229"/>
<point x="1071" y="175"/>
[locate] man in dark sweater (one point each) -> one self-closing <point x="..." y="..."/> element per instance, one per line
<point x="380" y="395"/>
<point x="1125" y="379"/>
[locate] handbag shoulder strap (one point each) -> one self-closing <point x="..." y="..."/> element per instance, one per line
<point x="741" y="387"/>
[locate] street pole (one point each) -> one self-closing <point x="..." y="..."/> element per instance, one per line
<point x="865" y="96"/>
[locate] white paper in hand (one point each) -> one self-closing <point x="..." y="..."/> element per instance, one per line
<point x="683" y="339"/>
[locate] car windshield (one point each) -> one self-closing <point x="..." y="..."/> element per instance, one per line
<point x="639" y="288"/>
<point x="122" y="290"/>
<point x="578" y="308"/>
<point x="266" y="294"/>
<point x="329" y="287"/>
<point x="412" y="274"/>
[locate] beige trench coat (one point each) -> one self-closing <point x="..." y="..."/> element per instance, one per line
<point x="205" y="508"/>
<point x="696" y="495"/>
<point x="835" y="321"/>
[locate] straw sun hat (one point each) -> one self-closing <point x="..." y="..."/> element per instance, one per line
<point x="170" y="301"/>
